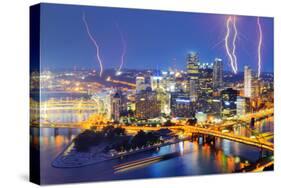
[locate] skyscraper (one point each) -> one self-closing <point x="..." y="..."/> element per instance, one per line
<point x="247" y="82"/>
<point x="216" y="105"/>
<point x="156" y="82"/>
<point x="217" y="74"/>
<point x="229" y="98"/>
<point x="103" y="100"/>
<point x="193" y="74"/>
<point x="205" y="89"/>
<point x="243" y="105"/>
<point x="140" y="83"/>
<point x="181" y="105"/>
<point x="256" y="87"/>
<point x="147" y="105"/>
<point x="116" y="106"/>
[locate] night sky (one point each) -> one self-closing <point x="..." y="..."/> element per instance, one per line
<point x="155" y="39"/>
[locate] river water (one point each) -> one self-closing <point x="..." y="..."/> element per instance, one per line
<point x="195" y="159"/>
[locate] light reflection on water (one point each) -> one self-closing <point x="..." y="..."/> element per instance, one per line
<point x="66" y="116"/>
<point x="61" y="109"/>
<point x="196" y="159"/>
<point x="263" y="126"/>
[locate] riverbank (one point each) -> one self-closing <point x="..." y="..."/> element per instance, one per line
<point x="195" y="159"/>
<point x="70" y="158"/>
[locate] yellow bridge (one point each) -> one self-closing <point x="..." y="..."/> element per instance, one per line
<point x="192" y="129"/>
<point x="258" y="141"/>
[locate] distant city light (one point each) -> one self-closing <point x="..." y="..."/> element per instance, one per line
<point x="183" y="100"/>
<point x="118" y="73"/>
<point x="227" y="103"/>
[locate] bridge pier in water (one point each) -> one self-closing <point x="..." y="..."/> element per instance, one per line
<point x="56" y="132"/>
<point x="264" y="153"/>
<point x="204" y="138"/>
<point x="69" y="133"/>
<point x="252" y="123"/>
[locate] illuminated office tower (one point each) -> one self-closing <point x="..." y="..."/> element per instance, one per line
<point x="124" y="100"/>
<point x="147" y="105"/>
<point x="205" y="89"/>
<point x="193" y="75"/>
<point x="247" y="82"/>
<point x="163" y="99"/>
<point x="171" y="85"/>
<point x="156" y="82"/>
<point x="108" y="106"/>
<point x="193" y="89"/>
<point x="140" y="83"/>
<point x="229" y="98"/>
<point x="103" y="101"/>
<point x="256" y="87"/>
<point x="217" y="74"/>
<point x="181" y="105"/>
<point x="167" y="81"/>
<point x="243" y="105"/>
<point x="216" y="106"/>
<point x="115" y="106"/>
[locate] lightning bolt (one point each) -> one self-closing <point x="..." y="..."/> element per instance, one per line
<point x="124" y="49"/>
<point x="232" y="61"/>
<point x="95" y="44"/>
<point x="234" y="44"/>
<point x="259" y="46"/>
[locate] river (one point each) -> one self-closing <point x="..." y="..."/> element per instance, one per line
<point x="195" y="159"/>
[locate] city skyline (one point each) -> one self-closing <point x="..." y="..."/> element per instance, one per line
<point x="155" y="40"/>
<point x="128" y="94"/>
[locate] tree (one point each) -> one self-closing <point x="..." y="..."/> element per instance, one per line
<point x="111" y="132"/>
<point x="152" y="138"/>
<point x="84" y="141"/>
<point x="139" y="139"/>
<point x="119" y="131"/>
<point x="144" y="139"/>
<point x="192" y="121"/>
